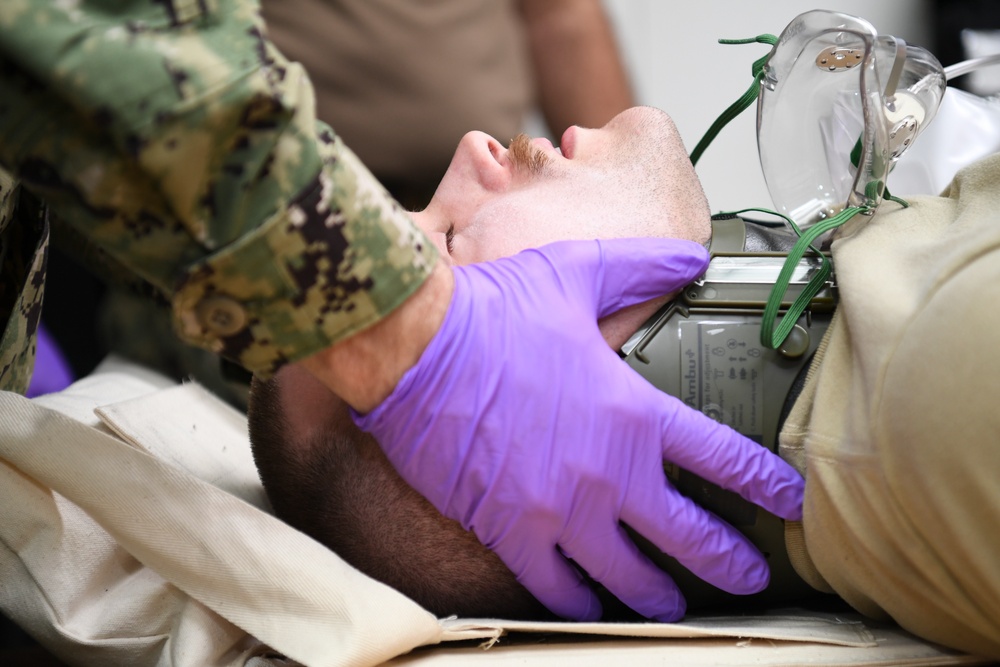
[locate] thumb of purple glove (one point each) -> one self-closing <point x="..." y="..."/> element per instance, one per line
<point x="522" y="424"/>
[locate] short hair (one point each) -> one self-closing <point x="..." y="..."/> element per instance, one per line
<point x="341" y="490"/>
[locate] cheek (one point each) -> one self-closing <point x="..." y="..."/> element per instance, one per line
<point x="472" y="247"/>
<point x="504" y="227"/>
<point x="534" y="217"/>
<point x="457" y="199"/>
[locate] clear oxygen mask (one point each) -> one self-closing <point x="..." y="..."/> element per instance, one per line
<point x="838" y="105"/>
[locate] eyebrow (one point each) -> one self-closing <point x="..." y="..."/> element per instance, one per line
<point x="523" y="155"/>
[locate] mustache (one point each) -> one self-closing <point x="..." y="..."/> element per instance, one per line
<point x="526" y="157"/>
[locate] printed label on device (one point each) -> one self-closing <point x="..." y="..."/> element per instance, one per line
<point x="722" y="376"/>
<point x="722" y="373"/>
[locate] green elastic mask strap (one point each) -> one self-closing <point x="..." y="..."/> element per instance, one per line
<point x="772" y="332"/>
<point x="737" y="107"/>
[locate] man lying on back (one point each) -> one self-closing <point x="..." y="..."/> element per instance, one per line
<point x="899" y="457"/>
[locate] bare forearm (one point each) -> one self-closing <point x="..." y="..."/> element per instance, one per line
<point x="364" y="368"/>
<point x="579" y="71"/>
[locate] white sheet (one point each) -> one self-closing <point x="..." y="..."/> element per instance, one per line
<point x="136" y="558"/>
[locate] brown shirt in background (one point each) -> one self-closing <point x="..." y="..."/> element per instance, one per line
<point x="401" y="82"/>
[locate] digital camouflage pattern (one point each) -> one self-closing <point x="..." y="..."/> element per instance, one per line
<point x="23" y="250"/>
<point x="174" y="136"/>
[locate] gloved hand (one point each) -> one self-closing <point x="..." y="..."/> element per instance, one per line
<point x="522" y="424"/>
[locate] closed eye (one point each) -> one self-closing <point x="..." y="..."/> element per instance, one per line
<point x="449" y="238"/>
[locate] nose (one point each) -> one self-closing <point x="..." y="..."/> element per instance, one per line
<point x="484" y="159"/>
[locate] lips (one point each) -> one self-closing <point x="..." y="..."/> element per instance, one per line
<point x="568" y="142"/>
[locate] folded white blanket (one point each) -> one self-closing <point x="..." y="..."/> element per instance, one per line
<point x="135" y="532"/>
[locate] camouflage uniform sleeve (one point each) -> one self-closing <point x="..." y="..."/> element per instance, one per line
<point x="173" y="135"/>
<point x="23" y="252"/>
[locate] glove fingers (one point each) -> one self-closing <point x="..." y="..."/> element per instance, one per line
<point x="556" y="584"/>
<point x="637" y="270"/>
<point x="719" y="454"/>
<point x="615" y="561"/>
<point x="712" y="549"/>
<point x="609" y="275"/>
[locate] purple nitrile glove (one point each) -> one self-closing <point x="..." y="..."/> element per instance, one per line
<point x="52" y="372"/>
<point x="522" y="424"/>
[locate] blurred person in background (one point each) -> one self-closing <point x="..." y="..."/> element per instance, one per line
<point x="401" y="82"/>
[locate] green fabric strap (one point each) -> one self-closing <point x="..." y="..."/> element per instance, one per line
<point x="773" y="332"/>
<point x="737" y="107"/>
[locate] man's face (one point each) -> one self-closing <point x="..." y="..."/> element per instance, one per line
<point x="631" y="178"/>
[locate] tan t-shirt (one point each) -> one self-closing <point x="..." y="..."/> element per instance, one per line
<point x="898" y="428"/>
<point x="402" y="80"/>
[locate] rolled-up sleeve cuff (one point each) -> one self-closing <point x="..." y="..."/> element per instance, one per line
<point x="332" y="262"/>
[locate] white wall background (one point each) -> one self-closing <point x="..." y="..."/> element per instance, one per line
<point x="671" y="49"/>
